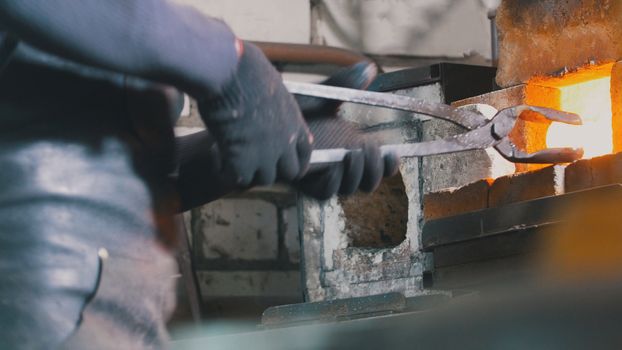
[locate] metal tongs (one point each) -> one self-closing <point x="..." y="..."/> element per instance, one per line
<point x="483" y="133"/>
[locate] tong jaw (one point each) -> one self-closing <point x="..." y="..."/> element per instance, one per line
<point x="505" y="120"/>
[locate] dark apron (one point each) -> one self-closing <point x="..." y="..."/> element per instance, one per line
<point x="85" y="204"/>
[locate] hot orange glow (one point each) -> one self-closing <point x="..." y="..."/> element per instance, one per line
<point x="586" y="92"/>
<point x="592" y="101"/>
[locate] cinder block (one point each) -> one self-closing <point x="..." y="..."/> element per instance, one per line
<point x="267" y="283"/>
<point x="292" y="235"/>
<point x="237" y="229"/>
<point x="599" y="171"/>
<point x="455" y="201"/>
<point x="409" y="286"/>
<point x="548" y="36"/>
<point x="520" y="187"/>
<point x="354" y="265"/>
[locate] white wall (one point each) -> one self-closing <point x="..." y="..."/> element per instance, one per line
<point x="406" y="27"/>
<point x="264" y="20"/>
<point x="430" y="28"/>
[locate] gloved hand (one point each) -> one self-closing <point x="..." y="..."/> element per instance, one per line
<point x="360" y="170"/>
<point x="257" y="124"/>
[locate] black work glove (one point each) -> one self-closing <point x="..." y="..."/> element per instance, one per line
<point x="362" y="169"/>
<point x="257" y="124"/>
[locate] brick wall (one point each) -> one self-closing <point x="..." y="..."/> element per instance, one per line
<point x="246" y="250"/>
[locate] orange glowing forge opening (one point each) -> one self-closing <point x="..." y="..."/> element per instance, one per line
<point x="591" y="92"/>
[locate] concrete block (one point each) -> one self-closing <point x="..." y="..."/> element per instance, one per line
<point x="331" y="264"/>
<point x="459" y="169"/>
<point x="343" y="256"/>
<point x="292" y="234"/>
<point x="411" y="176"/>
<point x="544" y="37"/>
<point x="520" y="187"/>
<point x="410" y="286"/>
<point x="356" y="265"/>
<point x="334" y="235"/>
<point x="249" y="283"/>
<point x="455" y="201"/>
<point x="451" y="170"/>
<point x="237" y="229"/>
<point x="312" y="241"/>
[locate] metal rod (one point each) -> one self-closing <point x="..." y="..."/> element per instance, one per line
<point x="462" y="118"/>
<point x="310" y="54"/>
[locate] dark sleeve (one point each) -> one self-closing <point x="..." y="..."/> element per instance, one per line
<point x="152" y="39"/>
<point x="200" y="179"/>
